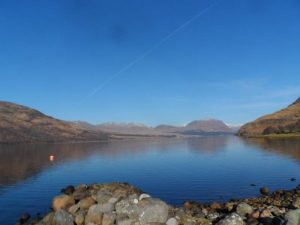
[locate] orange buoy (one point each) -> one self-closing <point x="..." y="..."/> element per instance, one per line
<point x="51" y="157"/>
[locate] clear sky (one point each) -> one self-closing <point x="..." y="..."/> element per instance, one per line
<point x="150" y="61"/>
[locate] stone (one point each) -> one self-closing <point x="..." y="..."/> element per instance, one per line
<point x="94" y="215"/>
<point x="252" y="221"/>
<point x="264" y="191"/>
<point x="48" y="219"/>
<point x="62" y="217"/>
<point x="153" y="211"/>
<point x="124" y="208"/>
<point x="293" y="217"/>
<point x="278" y="221"/>
<point x="81" y="194"/>
<point x="229" y="206"/>
<point x="266" y="221"/>
<point x="213" y="216"/>
<point x="68" y="190"/>
<point x="172" y="221"/>
<point x="106" y="207"/>
<point x="266" y="213"/>
<point x="113" y="200"/>
<point x="126" y="222"/>
<point x="74" y="209"/>
<point x="62" y="202"/>
<point x="296" y="203"/>
<point x="232" y="219"/>
<point x="143" y="196"/>
<point x="81" y="187"/>
<point x="255" y="214"/>
<point x="103" y="196"/>
<point x="244" y="209"/>
<point x="24" y="218"/>
<point x="215" y="206"/>
<point x="79" y="219"/>
<point x="108" y="218"/>
<point x="86" y="203"/>
<point x="187" y="205"/>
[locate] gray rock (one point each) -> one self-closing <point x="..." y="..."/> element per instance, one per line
<point x="108" y="218"/>
<point x="47" y="220"/>
<point x="62" y="217"/>
<point x="296" y="203"/>
<point x="126" y="222"/>
<point x="106" y="207"/>
<point x="126" y="209"/>
<point x="73" y="209"/>
<point x="244" y="209"/>
<point x="143" y="196"/>
<point x="232" y="219"/>
<point x="79" y="219"/>
<point x="153" y="211"/>
<point x="213" y="216"/>
<point x="103" y="196"/>
<point x="293" y="217"/>
<point x="113" y="200"/>
<point x="94" y="215"/>
<point x="172" y="221"/>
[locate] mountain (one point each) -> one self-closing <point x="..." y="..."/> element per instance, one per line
<point x="210" y="125"/>
<point x="197" y="127"/>
<point x="285" y="121"/>
<point x="125" y="128"/>
<point x="22" y="124"/>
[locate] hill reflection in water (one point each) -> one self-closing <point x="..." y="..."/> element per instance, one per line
<point x="289" y="147"/>
<point x="17" y="162"/>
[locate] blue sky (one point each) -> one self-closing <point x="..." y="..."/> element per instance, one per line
<point x="150" y="61"/>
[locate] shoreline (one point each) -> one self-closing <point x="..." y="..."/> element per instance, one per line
<point x="123" y="204"/>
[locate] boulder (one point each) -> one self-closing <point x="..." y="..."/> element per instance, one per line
<point x="62" y="202"/>
<point x="108" y="218"/>
<point x="86" y="203"/>
<point x="243" y="209"/>
<point x="296" y="203"/>
<point x="126" y="209"/>
<point x="232" y="219"/>
<point x="62" y="217"/>
<point x="94" y="215"/>
<point x="153" y="211"/>
<point x="172" y="221"/>
<point x="293" y="217"/>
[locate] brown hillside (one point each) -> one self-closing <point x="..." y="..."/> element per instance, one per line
<point x="22" y="124"/>
<point x="285" y="121"/>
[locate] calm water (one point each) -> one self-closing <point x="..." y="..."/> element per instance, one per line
<point x="203" y="169"/>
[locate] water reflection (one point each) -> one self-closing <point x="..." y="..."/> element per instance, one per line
<point x="284" y="146"/>
<point x="18" y="162"/>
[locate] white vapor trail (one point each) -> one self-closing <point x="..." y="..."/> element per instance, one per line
<point x="150" y="50"/>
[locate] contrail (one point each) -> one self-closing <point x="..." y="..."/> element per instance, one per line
<point x="150" y="50"/>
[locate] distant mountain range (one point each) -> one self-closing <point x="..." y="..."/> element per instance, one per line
<point x="22" y="124"/>
<point x="197" y="127"/>
<point x="283" y="122"/>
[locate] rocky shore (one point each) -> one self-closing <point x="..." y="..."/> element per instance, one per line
<point x="123" y="204"/>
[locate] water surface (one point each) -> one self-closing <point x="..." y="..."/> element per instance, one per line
<point x="203" y="169"/>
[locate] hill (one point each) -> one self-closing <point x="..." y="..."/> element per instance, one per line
<point x="283" y="122"/>
<point x="22" y="124"/>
